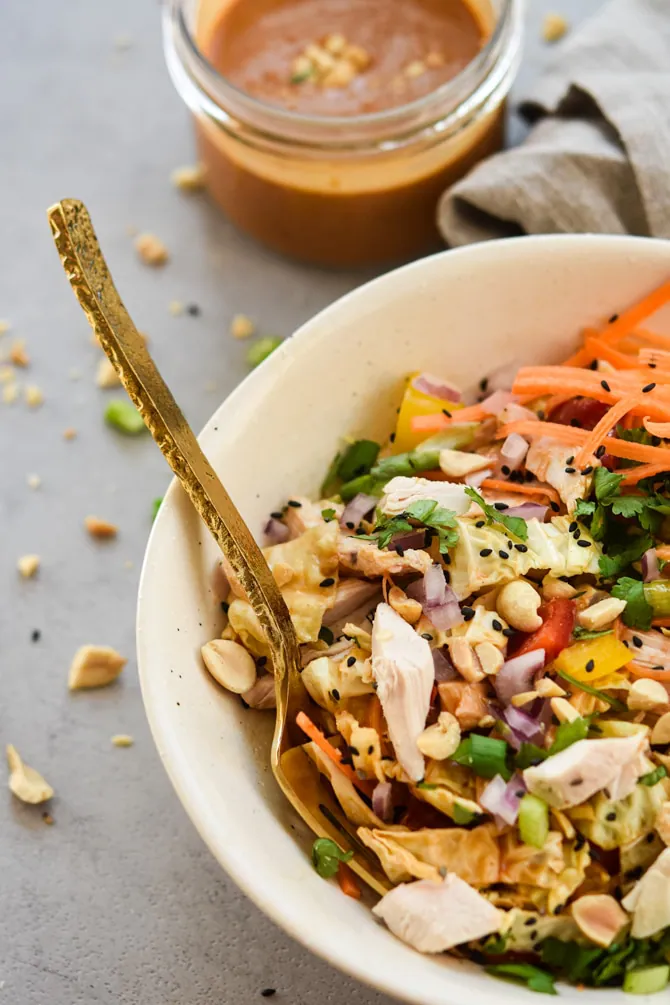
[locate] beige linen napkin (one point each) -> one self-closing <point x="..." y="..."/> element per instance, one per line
<point x="598" y="158"/>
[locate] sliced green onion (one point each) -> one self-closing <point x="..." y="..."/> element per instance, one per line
<point x="583" y="633"/>
<point x="124" y="416"/>
<point x="357" y="459"/>
<point x="569" y="733"/>
<point x="260" y="350"/>
<point x="653" y="777"/>
<point x="328" y="514"/>
<point x="326" y="857"/>
<point x="646" y="980"/>
<point x="462" y="816"/>
<point x="534" y="977"/>
<point x="486" y="756"/>
<point x="614" y="702"/>
<point x="533" y="821"/>
<point x="528" y="755"/>
<point x="367" y="484"/>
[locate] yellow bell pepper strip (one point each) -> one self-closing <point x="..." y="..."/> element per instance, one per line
<point x="416" y="403"/>
<point x="592" y="659"/>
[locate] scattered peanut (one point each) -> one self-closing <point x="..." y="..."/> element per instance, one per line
<point x="18" y="355"/>
<point x="548" y="688"/>
<point x="408" y="609"/>
<point x="230" y="664"/>
<point x="33" y="395"/>
<point x="242" y="327"/>
<point x="106" y="375"/>
<point x="554" y="27"/>
<point x="151" y="249"/>
<point x="490" y="657"/>
<point x="660" y="734"/>
<point x="524" y="698"/>
<point x="189" y="179"/>
<point x="600" y="614"/>
<point x="26" y="783"/>
<point x="553" y="588"/>
<point x="518" y="603"/>
<point x="100" y="528"/>
<point x="122" y="740"/>
<point x="563" y="710"/>
<point x="647" y="694"/>
<point x="176" y="308"/>
<point x="28" y="565"/>
<point x="95" y="666"/>
<point x="10" y="393"/>
<point x="440" y="740"/>
<point x="464" y="659"/>
<point x="459" y="463"/>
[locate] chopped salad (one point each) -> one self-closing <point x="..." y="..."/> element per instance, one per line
<point x="483" y="610"/>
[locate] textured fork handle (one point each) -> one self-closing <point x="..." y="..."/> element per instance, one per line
<point x="94" y="288"/>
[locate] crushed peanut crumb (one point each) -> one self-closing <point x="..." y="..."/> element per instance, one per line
<point x="4" y="327"/>
<point x="151" y="249"/>
<point x="6" y="374"/>
<point x="176" y="308"/>
<point x="69" y="433"/>
<point x="241" y="326"/>
<point x="415" y="69"/>
<point x="28" y="565"/>
<point x="48" y="819"/>
<point x="434" y="60"/>
<point x="332" y="63"/>
<point x="34" y="481"/>
<point x="189" y="179"/>
<point x="10" y="393"/>
<point x="18" y="355"/>
<point x="24" y="782"/>
<point x="554" y="27"/>
<point x="106" y="375"/>
<point x="100" y="528"/>
<point x="33" y="395"/>
<point x="122" y="740"/>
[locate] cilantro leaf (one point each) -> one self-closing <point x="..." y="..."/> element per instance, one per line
<point x="623" y="553"/>
<point x="606" y="485"/>
<point x="424" y="511"/>
<point x="514" y="524"/>
<point x="421" y="509"/>
<point x="583" y="508"/>
<point x="326" y="857"/>
<point x="629" y="506"/>
<point x="569" y="958"/>
<point x="599" y="524"/>
<point x="535" y="978"/>
<point x="528" y="755"/>
<point x="638" y="612"/>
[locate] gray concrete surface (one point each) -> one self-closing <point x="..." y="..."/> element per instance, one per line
<point x="119" y="902"/>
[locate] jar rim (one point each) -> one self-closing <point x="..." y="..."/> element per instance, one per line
<point x="447" y="97"/>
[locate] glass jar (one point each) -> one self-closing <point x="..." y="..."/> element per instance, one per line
<point x="341" y="190"/>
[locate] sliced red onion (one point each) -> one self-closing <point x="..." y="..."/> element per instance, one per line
<point x="262" y="694"/>
<point x="357" y="509"/>
<point x="438" y="600"/>
<point x="275" y="531"/>
<point x="502" y="799"/>
<point x="411" y="539"/>
<point x="527" y="511"/>
<point x="477" y="477"/>
<point x="513" y="451"/>
<point x="436" y="387"/>
<point x="650" y="568"/>
<point x="524" y="726"/>
<point x="495" y="402"/>
<point x="382" y="801"/>
<point x="444" y="668"/>
<point x="502" y="379"/>
<point x="517" y="675"/>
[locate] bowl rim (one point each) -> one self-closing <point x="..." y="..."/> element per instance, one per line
<point x="234" y="864"/>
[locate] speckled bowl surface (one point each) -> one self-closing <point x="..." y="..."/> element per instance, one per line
<point x="461" y="314"/>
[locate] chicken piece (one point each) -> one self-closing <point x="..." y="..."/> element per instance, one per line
<point x="354" y="808"/>
<point x="553" y="462"/>
<point x="368" y="560"/>
<point x="402" y="665"/>
<point x="578" y="772"/>
<point x="599" y="917"/>
<point x="472" y="854"/>
<point x="435" y="916"/>
<point x="487" y="555"/>
<point x="351" y="595"/>
<point x="627" y="777"/>
<point x="329" y="682"/>
<point x="468" y="702"/>
<point x="649" y="900"/>
<point x="364" y="746"/>
<point x="401" y="492"/>
<point x="309" y="559"/>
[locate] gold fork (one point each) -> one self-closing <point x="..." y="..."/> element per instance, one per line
<point x="89" y="276"/>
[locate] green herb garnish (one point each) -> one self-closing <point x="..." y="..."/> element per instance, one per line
<point x="486" y="756"/>
<point x="326" y="857"/>
<point x="653" y="777"/>
<point x="357" y="459"/>
<point x="495" y="945"/>
<point x="533" y="977"/>
<point x="528" y="755"/>
<point x="124" y="416"/>
<point x="569" y="958"/>
<point x="568" y="733"/>
<point x="440" y="520"/>
<point x="462" y="816"/>
<point x="514" y="524"/>
<point x="406" y="464"/>
<point x="638" y="612"/>
<point x="583" y="633"/>
<point x="622" y="553"/>
<point x="614" y="702"/>
<point x="155" y="506"/>
<point x="328" y="514"/>
<point x="260" y="350"/>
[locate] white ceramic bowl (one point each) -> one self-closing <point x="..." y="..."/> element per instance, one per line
<point x="461" y="314"/>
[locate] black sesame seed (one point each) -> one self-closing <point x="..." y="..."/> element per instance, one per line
<point x="570" y="471"/>
<point x="584" y="544"/>
<point x="336" y="695"/>
<point x="529" y="922"/>
<point x="268" y="992"/>
<point x="496" y="625"/>
<point x="569" y="460"/>
<point x="605" y="386"/>
<point x="360" y="530"/>
<point x="392" y="438"/>
<point x="353" y="751"/>
<point x="446" y="559"/>
<point x="600" y="452"/>
<point x="647" y="388"/>
<point x="587" y="470"/>
<point x="593" y="365"/>
<point x="659" y="666"/>
<point x="480" y="523"/>
<point x="540" y="414"/>
<point x="656" y="441"/>
<point x="575" y="422"/>
<point x="276" y="515"/>
<point x="615" y="317"/>
<point x="577" y="534"/>
<point x="35" y="635"/>
<point x="637" y="642"/>
<point x="483" y="383"/>
<point x="485" y="552"/>
<point x="529" y="476"/>
<point x="295" y="503"/>
<point x="400" y="551"/>
<point x="351" y="661"/>
<point x="580" y="841"/>
<point x="652" y="366"/>
<point x="468" y="613"/>
<point x="261" y="661"/>
<point x="503" y="554"/>
<point x="521" y="547"/>
<point x="193" y="310"/>
<point x="650" y="838"/>
<point x="329" y="581"/>
<point x="224" y="606"/>
<point x="572" y="527"/>
<point x="576" y="781"/>
<point x="634" y="873"/>
<point x="508" y="632"/>
<point x="501" y="506"/>
<point x="505" y="469"/>
<point x="554" y="506"/>
<point x="510" y="545"/>
<point x="447" y="575"/>
<point x="610" y="816"/>
<point x="427" y="636"/>
<point x="371" y="749"/>
<point x="590" y="666"/>
<point x="533" y="936"/>
<point x="445" y="412"/>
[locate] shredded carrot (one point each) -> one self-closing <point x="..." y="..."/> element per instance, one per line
<point x="641" y="452"/>
<point x="347" y="881"/>
<point x="317" y="737"/>
<point x="580" y="358"/>
<point x="655" y="358"/>
<point x="661" y="429"/>
<point x="663" y="552"/>
<point x="434" y="423"/>
<point x="640" y="671"/>
<point x="602" y="429"/>
<point x="597" y="349"/>
<point x="630" y="319"/>
<point x="634" y="475"/>
<point x="377" y="716"/>
<point x="497" y="484"/>
<point x="661" y="622"/>
<point x="651" y="338"/>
